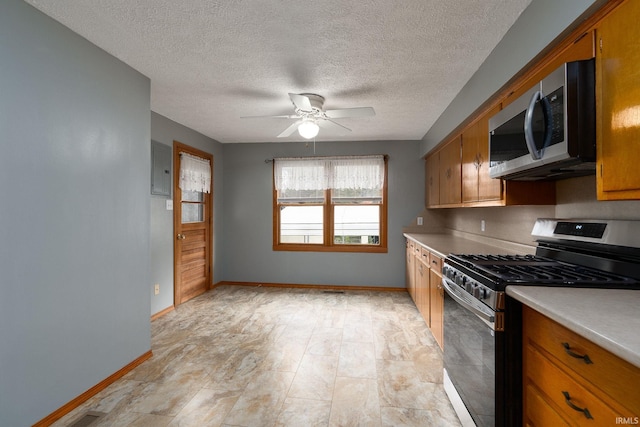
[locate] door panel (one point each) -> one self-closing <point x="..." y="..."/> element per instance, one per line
<point x="192" y="230"/>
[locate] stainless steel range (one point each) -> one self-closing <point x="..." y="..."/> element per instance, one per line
<point x="482" y="343"/>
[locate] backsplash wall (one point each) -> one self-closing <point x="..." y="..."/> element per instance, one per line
<point x="575" y="198"/>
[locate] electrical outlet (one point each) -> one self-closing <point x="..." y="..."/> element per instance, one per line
<point x="156" y="289"/>
<point x="482" y="225"/>
<point x="419" y="220"/>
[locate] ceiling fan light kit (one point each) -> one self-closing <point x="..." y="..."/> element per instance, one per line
<point x="308" y="129"/>
<point x="310" y="116"/>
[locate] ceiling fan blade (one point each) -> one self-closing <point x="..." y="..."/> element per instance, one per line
<point x="350" y="112"/>
<point x="334" y="127"/>
<point x="271" y="117"/>
<point x="291" y="129"/>
<point x="301" y="102"/>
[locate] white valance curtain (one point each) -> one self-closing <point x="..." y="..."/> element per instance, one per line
<point x="321" y="173"/>
<point x="195" y="173"/>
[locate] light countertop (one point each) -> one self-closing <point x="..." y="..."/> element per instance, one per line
<point x="444" y="244"/>
<point x="607" y="317"/>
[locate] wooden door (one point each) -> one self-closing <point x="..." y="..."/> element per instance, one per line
<point x="192" y="232"/>
<point x="618" y="95"/>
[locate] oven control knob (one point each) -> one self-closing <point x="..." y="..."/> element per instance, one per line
<point x="469" y="286"/>
<point x="480" y="292"/>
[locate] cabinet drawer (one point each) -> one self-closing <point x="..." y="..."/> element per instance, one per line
<point x="425" y="256"/>
<point x="417" y="250"/>
<point x="553" y="383"/>
<point x="539" y="413"/>
<point x="614" y="376"/>
<point x="436" y="263"/>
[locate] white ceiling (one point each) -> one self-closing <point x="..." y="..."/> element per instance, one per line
<point x="211" y="62"/>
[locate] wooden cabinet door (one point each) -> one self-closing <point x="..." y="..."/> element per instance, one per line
<point x="450" y="173"/>
<point x="618" y="106"/>
<point x="422" y="285"/>
<point x="410" y="273"/>
<point x="432" y="179"/>
<point x="488" y="188"/>
<point x="470" y="163"/>
<point x="477" y="186"/>
<point x="436" y="306"/>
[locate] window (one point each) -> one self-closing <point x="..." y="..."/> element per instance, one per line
<point x="330" y="204"/>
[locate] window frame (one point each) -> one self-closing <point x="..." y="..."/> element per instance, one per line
<point x="328" y="224"/>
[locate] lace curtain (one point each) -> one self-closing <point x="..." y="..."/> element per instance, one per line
<point x="321" y="173"/>
<point x="195" y="174"/>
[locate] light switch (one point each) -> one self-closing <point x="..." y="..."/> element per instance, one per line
<point x="169" y="204"/>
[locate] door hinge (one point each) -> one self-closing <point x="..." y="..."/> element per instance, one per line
<point x="600" y="44"/>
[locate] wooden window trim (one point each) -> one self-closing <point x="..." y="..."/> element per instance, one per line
<point x="329" y="246"/>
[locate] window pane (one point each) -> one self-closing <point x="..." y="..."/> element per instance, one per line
<point x="301" y="196"/>
<point x="356" y="225"/>
<point x="301" y="224"/>
<point x="192" y="196"/>
<point x="192" y="212"/>
<point x="360" y="196"/>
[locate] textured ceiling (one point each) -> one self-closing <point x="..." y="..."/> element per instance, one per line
<point x="211" y="62"/>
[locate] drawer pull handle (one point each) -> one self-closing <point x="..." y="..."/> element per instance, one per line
<point x="585" y="411"/>
<point x="585" y="357"/>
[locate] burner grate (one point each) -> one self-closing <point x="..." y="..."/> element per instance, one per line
<point x="558" y="273"/>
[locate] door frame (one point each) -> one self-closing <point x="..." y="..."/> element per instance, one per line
<point x="178" y="148"/>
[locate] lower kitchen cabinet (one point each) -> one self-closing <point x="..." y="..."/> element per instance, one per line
<point x="436" y="301"/>
<point x="423" y="277"/>
<point x="422" y="283"/>
<point x="569" y="380"/>
<point x="410" y="269"/>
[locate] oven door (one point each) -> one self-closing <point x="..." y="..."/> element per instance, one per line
<point x="470" y="355"/>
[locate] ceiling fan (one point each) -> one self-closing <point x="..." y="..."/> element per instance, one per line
<point x="311" y="116"/>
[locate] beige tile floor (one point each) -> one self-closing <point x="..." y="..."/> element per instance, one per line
<point x="259" y="356"/>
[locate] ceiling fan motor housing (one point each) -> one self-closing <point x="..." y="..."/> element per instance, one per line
<point x="315" y="100"/>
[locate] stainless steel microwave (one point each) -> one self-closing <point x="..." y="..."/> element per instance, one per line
<point x="549" y="132"/>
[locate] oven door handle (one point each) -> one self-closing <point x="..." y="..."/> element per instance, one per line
<point x="467" y="304"/>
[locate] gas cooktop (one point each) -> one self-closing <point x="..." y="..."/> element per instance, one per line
<point x="536" y="270"/>
<point x="571" y="253"/>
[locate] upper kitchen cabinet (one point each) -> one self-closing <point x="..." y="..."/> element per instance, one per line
<point x="477" y="186"/>
<point x="618" y="103"/>
<point x="450" y="173"/>
<point x="457" y="175"/>
<point x="432" y="175"/>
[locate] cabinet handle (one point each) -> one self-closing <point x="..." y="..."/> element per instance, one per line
<point x="585" y="357"/>
<point x="585" y="411"/>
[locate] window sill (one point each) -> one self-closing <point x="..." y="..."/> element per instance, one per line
<point x="377" y="249"/>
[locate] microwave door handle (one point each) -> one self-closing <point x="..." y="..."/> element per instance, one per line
<point x="528" y="126"/>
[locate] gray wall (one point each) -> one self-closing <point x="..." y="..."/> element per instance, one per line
<point x="74" y="185"/>
<point x="166" y="131"/>
<point x="538" y="26"/>
<point x="248" y="217"/>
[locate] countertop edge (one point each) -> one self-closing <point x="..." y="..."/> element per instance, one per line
<point x="553" y="308"/>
